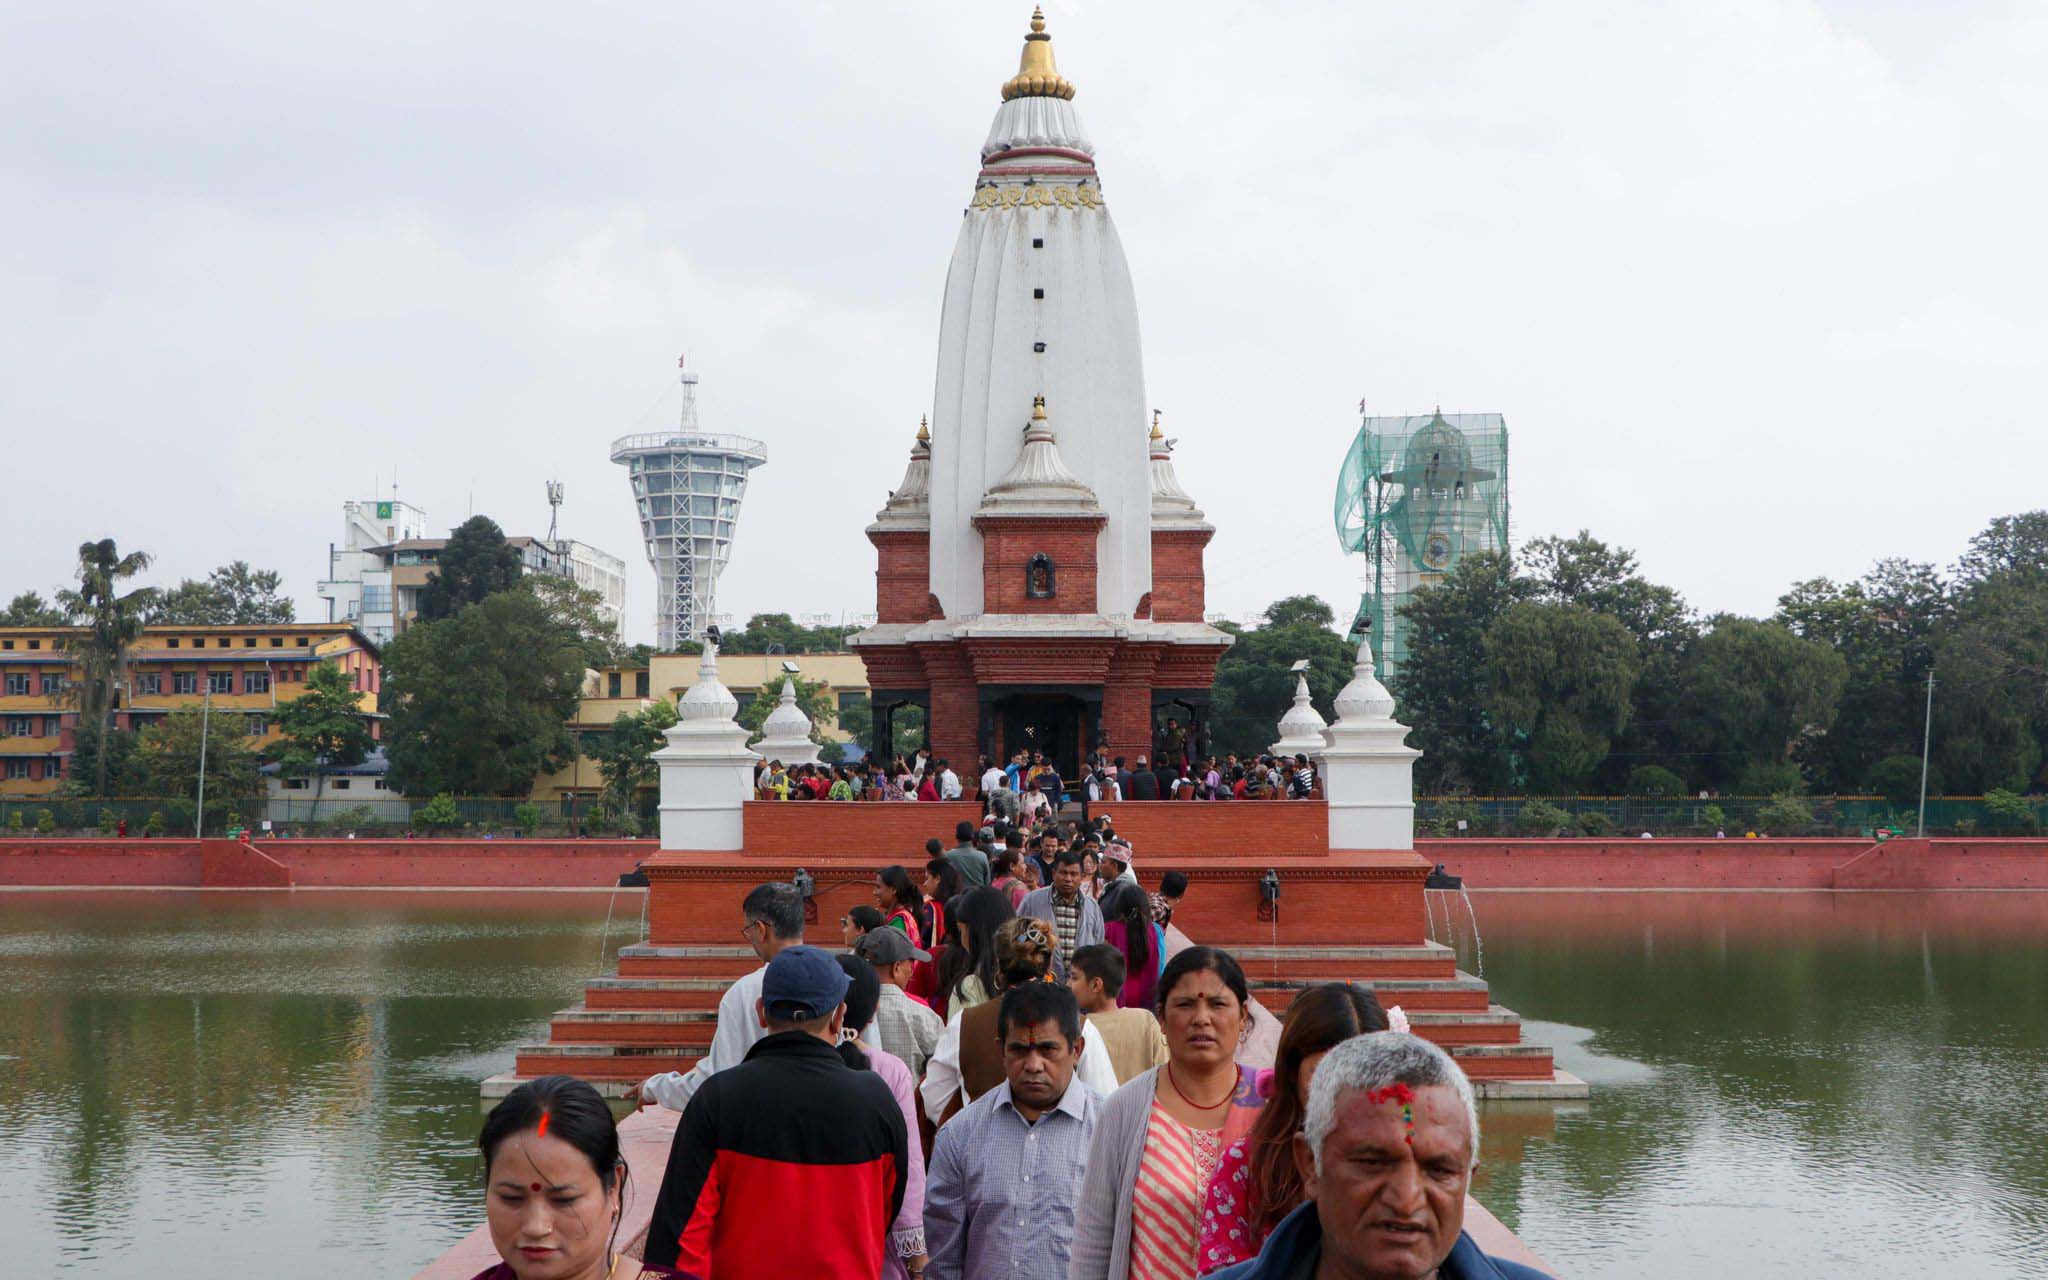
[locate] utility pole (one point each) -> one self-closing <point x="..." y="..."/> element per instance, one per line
<point x="205" y="717"/>
<point x="1926" y="741"/>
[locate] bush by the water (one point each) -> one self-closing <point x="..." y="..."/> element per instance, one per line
<point x="1654" y="780"/>
<point x="1711" y="817"/>
<point x="2008" y="811"/>
<point x="1897" y="779"/>
<point x="438" y="812"/>
<point x="526" y="817"/>
<point x="1785" y="815"/>
<point x="1542" y="818"/>
<point x="1595" y="822"/>
<point x="1779" y="777"/>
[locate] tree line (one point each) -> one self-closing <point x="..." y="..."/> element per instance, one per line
<point x="1563" y="670"/>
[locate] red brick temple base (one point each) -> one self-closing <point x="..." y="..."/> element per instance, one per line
<point x="1341" y="916"/>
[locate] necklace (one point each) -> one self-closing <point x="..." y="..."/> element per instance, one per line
<point x="1199" y="1106"/>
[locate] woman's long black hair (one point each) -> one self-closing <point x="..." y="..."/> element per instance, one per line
<point x="1125" y="901"/>
<point x="566" y="1108"/>
<point x="980" y="913"/>
<point x="863" y="993"/>
<point x="911" y="899"/>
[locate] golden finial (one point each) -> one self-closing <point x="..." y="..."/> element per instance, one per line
<point x="1038" y="408"/>
<point x="1036" y="76"/>
<point x="1157" y="434"/>
<point x="924" y="430"/>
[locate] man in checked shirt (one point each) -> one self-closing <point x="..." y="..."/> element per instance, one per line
<point x="1005" y="1173"/>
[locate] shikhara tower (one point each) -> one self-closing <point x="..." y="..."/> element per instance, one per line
<point x="1040" y="579"/>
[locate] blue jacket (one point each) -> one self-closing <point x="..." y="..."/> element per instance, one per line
<point x="1300" y="1232"/>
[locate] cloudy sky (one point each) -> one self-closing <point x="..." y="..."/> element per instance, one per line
<point x="1759" y="284"/>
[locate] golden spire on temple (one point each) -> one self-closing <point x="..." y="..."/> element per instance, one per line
<point x="1038" y="408"/>
<point x="924" y="429"/>
<point x="1036" y="76"/>
<point x="1157" y="434"/>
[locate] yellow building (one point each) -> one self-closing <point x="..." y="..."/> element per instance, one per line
<point x="616" y="690"/>
<point x="244" y="672"/>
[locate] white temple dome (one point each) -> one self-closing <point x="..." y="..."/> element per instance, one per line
<point x="1365" y="698"/>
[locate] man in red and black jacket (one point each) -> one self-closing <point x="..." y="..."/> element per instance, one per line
<point x="791" y="1163"/>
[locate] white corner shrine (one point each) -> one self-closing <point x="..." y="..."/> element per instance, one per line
<point x="1368" y="766"/>
<point x="707" y="772"/>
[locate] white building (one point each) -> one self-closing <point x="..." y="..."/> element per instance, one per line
<point x="375" y="574"/>
<point x="688" y="486"/>
<point x="357" y="587"/>
<point x="595" y="569"/>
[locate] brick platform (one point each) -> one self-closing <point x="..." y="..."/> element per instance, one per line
<point x="1343" y="916"/>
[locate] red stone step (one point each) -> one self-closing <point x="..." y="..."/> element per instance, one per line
<point x="1498" y="1025"/>
<point x="1412" y="994"/>
<point x="633" y="1027"/>
<point x="654" y="993"/>
<point x="603" y="1061"/>
<point x="1504" y="1061"/>
<point x="650" y="960"/>
<point x="1429" y="960"/>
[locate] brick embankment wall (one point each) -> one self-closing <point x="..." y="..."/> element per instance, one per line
<point x="355" y="864"/>
<point x="1742" y="864"/>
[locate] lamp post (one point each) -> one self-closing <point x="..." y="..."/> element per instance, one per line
<point x="205" y="718"/>
<point x="1926" y="741"/>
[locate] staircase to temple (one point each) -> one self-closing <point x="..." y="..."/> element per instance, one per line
<point x="660" y="1010"/>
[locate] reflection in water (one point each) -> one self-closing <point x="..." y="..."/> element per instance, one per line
<point x="1804" y="1085"/>
<point x="1785" y="1084"/>
<point x="223" y="1083"/>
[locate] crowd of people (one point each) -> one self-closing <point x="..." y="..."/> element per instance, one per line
<point x="1029" y="787"/>
<point x="1004" y="1072"/>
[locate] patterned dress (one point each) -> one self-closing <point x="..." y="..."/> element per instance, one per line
<point x="1174" y="1174"/>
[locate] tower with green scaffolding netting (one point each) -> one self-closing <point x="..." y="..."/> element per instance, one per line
<point x="1417" y="494"/>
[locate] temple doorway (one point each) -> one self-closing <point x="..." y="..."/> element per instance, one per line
<point x="1050" y="723"/>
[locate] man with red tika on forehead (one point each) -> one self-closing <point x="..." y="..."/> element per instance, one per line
<point x="1386" y="1155"/>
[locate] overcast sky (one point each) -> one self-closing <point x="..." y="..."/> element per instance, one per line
<point x="1759" y="285"/>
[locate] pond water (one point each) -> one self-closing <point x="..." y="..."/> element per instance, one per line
<point x="1805" y="1085"/>
<point x="1784" y="1084"/>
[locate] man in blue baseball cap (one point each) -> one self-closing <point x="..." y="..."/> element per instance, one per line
<point x="793" y="1124"/>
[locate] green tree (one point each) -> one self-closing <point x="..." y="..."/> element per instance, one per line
<point x="438" y="812"/>
<point x="322" y="729"/>
<point x="1654" y="780"/>
<point x="1559" y="678"/>
<point x="1542" y="818"/>
<point x="624" y="755"/>
<point x="233" y="594"/>
<point x="167" y="754"/>
<point x="1587" y="572"/>
<point x="1444" y="688"/>
<point x="1991" y="673"/>
<point x="1897" y="779"/>
<point x="478" y="701"/>
<point x="474" y="564"/>
<point x="526" y="817"/>
<point x="2007" y="811"/>
<point x="1255" y="685"/>
<point x="1884" y="626"/>
<point x="1785" y="815"/>
<point x="85" y="757"/>
<point x="582" y="611"/>
<point x="113" y="619"/>
<point x="1755" y="691"/>
<point x="811" y="699"/>
<point x="29" y="609"/>
<point x="2012" y="547"/>
<point x="779" y="633"/>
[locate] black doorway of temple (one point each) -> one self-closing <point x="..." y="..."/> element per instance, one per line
<point x="1048" y="723"/>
